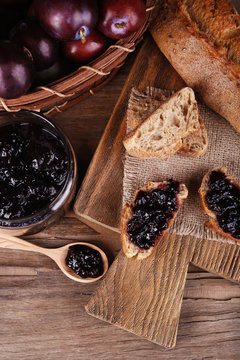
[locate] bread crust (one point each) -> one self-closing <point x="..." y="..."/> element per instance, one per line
<point x="141" y="153"/>
<point x="212" y="223"/>
<point x="129" y="248"/>
<point x="201" y="65"/>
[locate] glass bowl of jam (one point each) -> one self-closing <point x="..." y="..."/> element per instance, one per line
<point x="37" y="172"/>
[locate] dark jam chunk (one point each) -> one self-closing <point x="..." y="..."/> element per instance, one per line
<point x="84" y="261"/>
<point x="223" y="197"/>
<point x="151" y="214"/>
<point x="33" y="169"/>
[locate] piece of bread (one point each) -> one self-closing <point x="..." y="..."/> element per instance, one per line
<point x="193" y="145"/>
<point x="201" y="39"/>
<point x="129" y="248"/>
<point x="203" y="190"/>
<point x="145" y="107"/>
<point x="162" y="132"/>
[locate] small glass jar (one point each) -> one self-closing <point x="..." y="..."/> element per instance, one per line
<point x="48" y="214"/>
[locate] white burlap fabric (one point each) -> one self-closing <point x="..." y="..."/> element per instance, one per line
<point x="223" y="150"/>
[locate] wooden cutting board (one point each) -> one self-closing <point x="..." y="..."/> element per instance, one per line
<point x="143" y="297"/>
<point x="100" y="196"/>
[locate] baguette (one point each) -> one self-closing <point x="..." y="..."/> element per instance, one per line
<point x="193" y="145"/>
<point x="162" y="132"/>
<point x="130" y="249"/>
<point x="221" y="202"/>
<point x="201" y="39"/>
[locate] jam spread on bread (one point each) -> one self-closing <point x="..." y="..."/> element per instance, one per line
<point x="223" y="197"/>
<point x="84" y="261"/>
<point x="152" y="212"/>
<point x="33" y="169"/>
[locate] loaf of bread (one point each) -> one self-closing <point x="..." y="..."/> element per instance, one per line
<point x="193" y="145"/>
<point x="154" y="209"/>
<point x="220" y="198"/>
<point x="201" y="39"/>
<point x="162" y="132"/>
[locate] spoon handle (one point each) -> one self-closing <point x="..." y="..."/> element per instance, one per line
<point x="11" y="242"/>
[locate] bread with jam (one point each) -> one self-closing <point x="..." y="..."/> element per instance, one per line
<point x="144" y="223"/>
<point x="220" y="198"/>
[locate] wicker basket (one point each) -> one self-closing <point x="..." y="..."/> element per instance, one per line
<point x="84" y="81"/>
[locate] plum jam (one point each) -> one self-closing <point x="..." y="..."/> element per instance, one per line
<point x="33" y="169"/>
<point x="151" y="214"/>
<point x="223" y="197"/>
<point x="85" y="261"/>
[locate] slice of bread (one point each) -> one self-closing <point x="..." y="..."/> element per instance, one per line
<point x="129" y="248"/>
<point x="193" y="145"/>
<point x="162" y="132"/>
<point x="203" y="190"/>
<point x="145" y="107"/>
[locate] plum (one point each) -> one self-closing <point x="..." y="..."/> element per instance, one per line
<point x="30" y="34"/>
<point x="16" y="70"/>
<point x="85" y="50"/>
<point x="120" y="18"/>
<point x="67" y="19"/>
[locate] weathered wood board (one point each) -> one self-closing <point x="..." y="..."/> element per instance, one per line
<point x="143" y="297"/>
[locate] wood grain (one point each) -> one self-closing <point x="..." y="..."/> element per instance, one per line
<point x="218" y="257"/>
<point x="128" y="295"/>
<point x="43" y="317"/>
<point x="144" y="297"/>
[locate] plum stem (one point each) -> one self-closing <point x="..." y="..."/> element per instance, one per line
<point x="120" y="25"/>
<point x="83" y="38"/>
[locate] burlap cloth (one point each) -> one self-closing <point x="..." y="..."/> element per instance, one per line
<point x="223" y="150"/>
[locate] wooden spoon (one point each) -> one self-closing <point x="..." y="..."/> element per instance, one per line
<point x="58" y="254"/>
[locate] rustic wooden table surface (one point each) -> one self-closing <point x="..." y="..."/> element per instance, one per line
<point x="42" y="311"/>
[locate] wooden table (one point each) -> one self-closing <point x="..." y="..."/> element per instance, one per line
<point x="42" y="311"/>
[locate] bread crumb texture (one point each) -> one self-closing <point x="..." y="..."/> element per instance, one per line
<point x="162" y="132"/>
